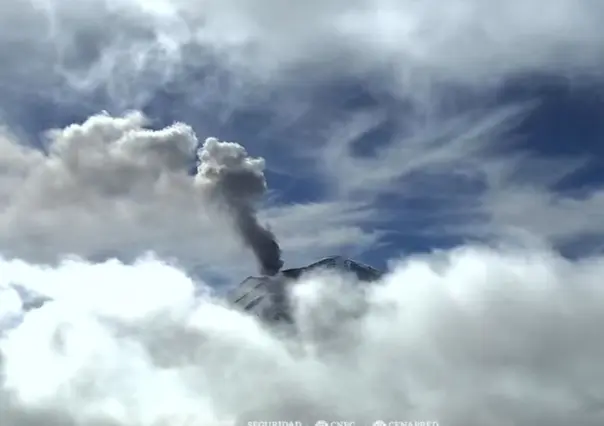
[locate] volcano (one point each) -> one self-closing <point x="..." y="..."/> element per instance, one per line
<point x="267" y="296"/>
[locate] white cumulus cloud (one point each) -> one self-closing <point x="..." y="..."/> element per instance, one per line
<point x="473" y="336"/>
<point x="111" y="187"/>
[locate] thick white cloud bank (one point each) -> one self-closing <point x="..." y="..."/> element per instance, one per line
<point x="469" y="337"/>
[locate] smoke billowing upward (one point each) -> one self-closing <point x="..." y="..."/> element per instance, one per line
<point x="139" y="178"/>
<point x="238" y="181"/>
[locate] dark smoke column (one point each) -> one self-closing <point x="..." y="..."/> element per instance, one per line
<point x="238" y="181"/>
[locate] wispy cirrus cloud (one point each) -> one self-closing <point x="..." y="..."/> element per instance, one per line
<point x="467" y="174"/>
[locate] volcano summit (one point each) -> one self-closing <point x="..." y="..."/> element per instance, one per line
<point x="267" y="296"/>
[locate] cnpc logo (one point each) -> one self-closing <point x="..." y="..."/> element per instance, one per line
<point x="334" y="423"/>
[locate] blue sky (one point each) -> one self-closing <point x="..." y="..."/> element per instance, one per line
<point x="387" y="128"/>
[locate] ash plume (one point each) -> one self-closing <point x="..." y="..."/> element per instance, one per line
<point x="237" y="181"/>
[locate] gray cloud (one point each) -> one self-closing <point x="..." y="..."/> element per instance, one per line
<point x="131" y="47"/>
